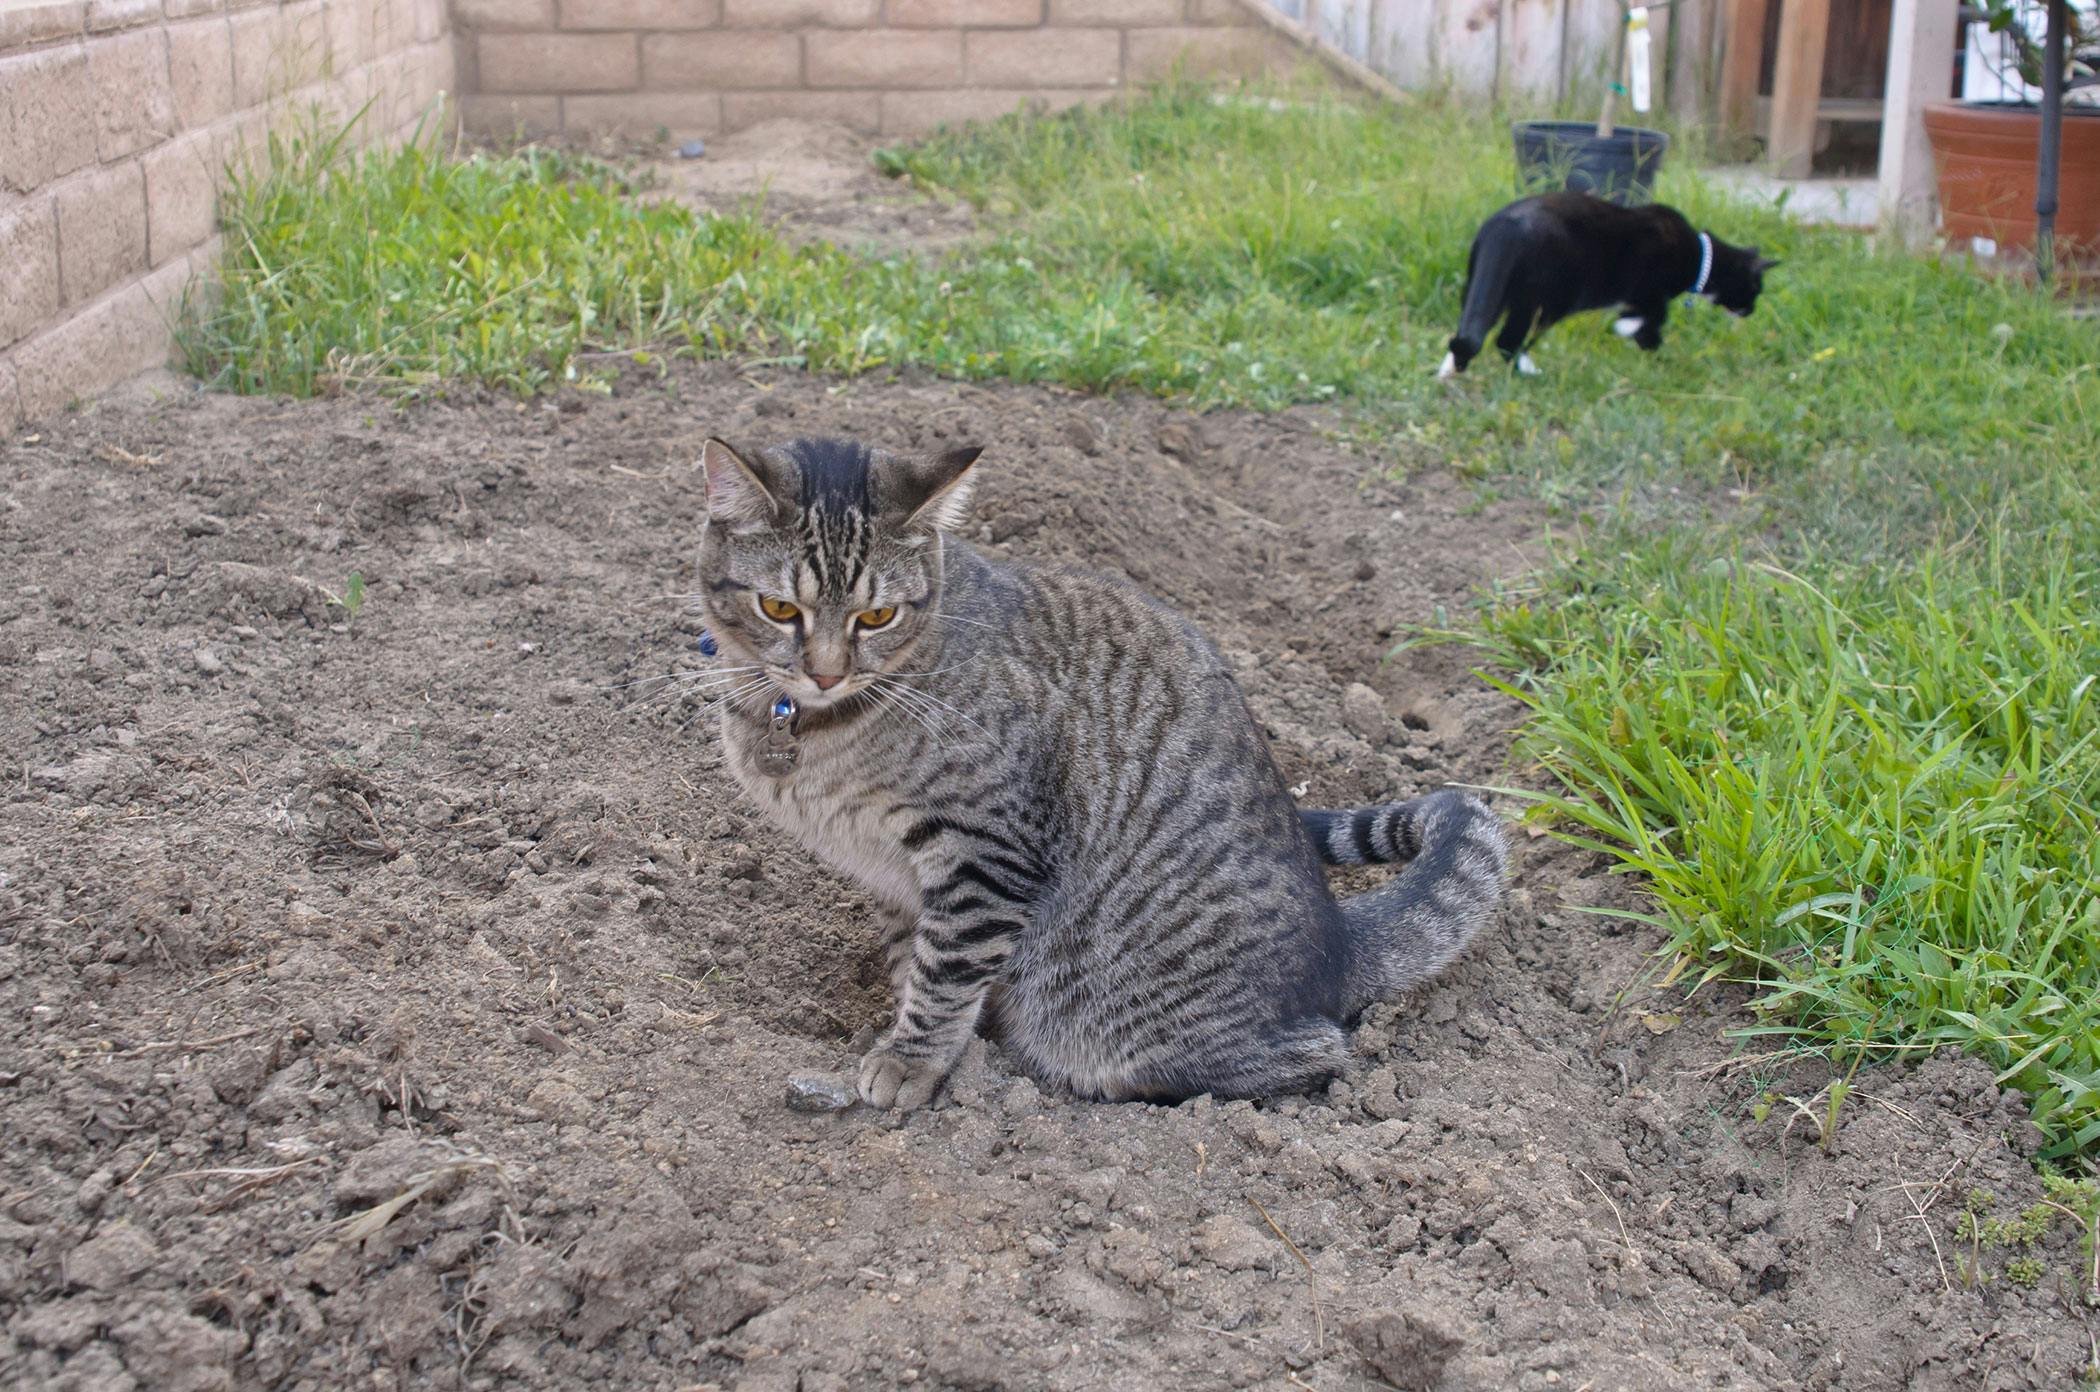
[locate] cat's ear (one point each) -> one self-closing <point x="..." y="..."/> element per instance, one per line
<point x="932" y="493"/>
<point x="737" y="496"/>
<point x="1763" y="264"/>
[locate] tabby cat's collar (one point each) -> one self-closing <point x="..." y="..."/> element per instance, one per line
<point x="788" y="724"/>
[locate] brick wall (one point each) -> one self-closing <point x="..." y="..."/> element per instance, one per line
<point x="897" y="67"/>
<point x="117" y="118"/>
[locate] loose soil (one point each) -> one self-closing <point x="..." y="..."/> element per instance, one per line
<point x="404" y="997"/>
<point x="816" y="181"/>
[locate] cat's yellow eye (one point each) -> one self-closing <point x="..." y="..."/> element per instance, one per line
<point x="876" y="618"/>
<point x="778" y="610"/>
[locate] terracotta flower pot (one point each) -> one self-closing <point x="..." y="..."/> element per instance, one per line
<point x="1986" y="155"/>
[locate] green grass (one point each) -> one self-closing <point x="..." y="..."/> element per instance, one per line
<point x="1874" y="791"/>
<point x="1227" y="253"/>
<point x="1848" y="733"/>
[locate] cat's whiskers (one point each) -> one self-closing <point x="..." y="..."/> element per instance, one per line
<point x="938" y="671"/>
<point x="709" y="686"/>
<point x="887" y="699"/>
<point x="678" y="676"/>
<point x="741" y="692"/>
<point x="957" y="618"/>
<point x="929" y="702"/>
<point x="931" y="721"/>
<point x="895" y="695"/>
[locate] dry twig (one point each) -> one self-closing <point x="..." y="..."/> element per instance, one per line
<point x="1313" y="1281"/>
<point x="1624" y="1236"/>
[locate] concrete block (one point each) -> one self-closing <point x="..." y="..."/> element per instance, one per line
<point x="558" y="62"/>
<point x="68" y="362"/>
<point x="10" y="398"/>
<point x="787" y="14"/>
<point x="1126" y="13"/>
<point x="1044" y="58"/>
<point x="28" y="269"/>
<point x="48" y="117"/>
<point x="134" y="103"/>
<point x="200" y="70"/>
<point x="1206" y="52"/>
<point x="108" y="16"/>
<point x="101" y="231"/>
<point x="976" y="14"/>
<point x="182" y="195"/>
<point x="640" y="14"/>
<point x="40" y="21"/>
<point x="722" y="58"/>
<point x="257" y="74"/>
<point x="883" y="58"/>
<point x="525" y="15"/>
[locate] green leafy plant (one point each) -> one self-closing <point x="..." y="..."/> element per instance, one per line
<point x="2025" y="22"/>
<point x="2079" y="1199"/>
<point x="352" y="598"/>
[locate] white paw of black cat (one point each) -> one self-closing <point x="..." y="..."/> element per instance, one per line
<point x="1447" y="369"/>
<point x="1526" y="366"/>
<point x="1628" y="325"/>
<point x="887" y="1080"/>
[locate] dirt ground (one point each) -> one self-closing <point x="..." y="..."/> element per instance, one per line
<point x="403" y="998"/>
<point x="817" y="181"/>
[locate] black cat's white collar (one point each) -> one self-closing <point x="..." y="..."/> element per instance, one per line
<point x="1706" y="266"/>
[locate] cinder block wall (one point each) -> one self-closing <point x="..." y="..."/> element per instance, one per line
<point x="895" y="67"/>
<point x="116" y="120"/>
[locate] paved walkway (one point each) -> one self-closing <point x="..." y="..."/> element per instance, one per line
<point x="1834" y="202"/>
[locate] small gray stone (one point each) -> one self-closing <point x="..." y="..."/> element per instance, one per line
<point x="1409" y="1351"/>
<point x="1363" y="712"/>
<point x="819" y="1092"/>
<point x="692" y="149"/>
<point x="111" y="1258"/>
<point x="94" y="1191"/>
<point x="1234" y="1245"/>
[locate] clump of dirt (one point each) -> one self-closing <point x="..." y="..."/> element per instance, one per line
<point x="397" y="993"/>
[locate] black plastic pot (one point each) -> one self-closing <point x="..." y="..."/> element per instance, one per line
<point x="1571" y="155"/>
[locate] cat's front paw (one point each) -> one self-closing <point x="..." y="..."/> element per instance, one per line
<point x="889" y="1080"/>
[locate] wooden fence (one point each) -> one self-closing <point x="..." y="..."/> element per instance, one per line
<point x="1538" y="54"/>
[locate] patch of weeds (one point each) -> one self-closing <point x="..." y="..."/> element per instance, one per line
<point x="2024" y="1230"/>
<point x="2079" y="1199"/>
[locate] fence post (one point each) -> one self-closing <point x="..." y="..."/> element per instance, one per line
<point x="1921" y="62"/>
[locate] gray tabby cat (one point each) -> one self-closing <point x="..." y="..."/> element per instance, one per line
<point x="1055" y="792"/>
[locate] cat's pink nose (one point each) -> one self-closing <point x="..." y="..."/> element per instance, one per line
<point x="825" y="683"/>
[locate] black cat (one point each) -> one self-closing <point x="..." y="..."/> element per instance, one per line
<point x="1543" y="258"/>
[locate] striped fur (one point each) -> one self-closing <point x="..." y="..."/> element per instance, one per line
<point x="1055" y="792"/>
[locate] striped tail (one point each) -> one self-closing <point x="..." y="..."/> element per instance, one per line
<point x="1407" y="930"/>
